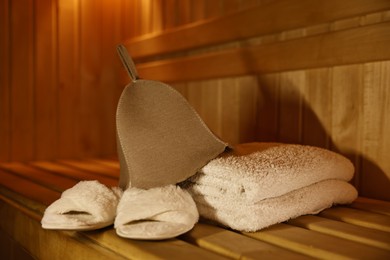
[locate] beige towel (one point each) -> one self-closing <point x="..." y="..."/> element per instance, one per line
<point x="256" y="171"/>
<point x="247" y="216"/>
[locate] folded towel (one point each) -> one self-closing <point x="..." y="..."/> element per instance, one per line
<point x="257" y="171"/>
<point x="157" y="213"/>
<point x="87" y="205"/>
<point x="239" y="214"/>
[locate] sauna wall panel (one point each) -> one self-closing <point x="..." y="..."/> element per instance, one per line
<point x="45" y="80"/>
<point x="59" y="71"/>
<point x="60" y="77"/>
<point x="314" y="84"/>
<point x="22" y="80"/>
<point x="5" y="90"/>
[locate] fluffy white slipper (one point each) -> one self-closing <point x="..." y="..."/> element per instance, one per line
<point x="157" y="213"/>
<point x="86" y="206"/>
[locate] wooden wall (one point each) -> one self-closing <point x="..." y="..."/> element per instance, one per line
<point x="60" y="78"/>
<point x="315" y="73"/>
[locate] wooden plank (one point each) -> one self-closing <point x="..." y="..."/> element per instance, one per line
<point x="128" y="19"/>
<point x="375" y="182"/>
<point x="28" y="205"/>
<point x="234" y="245"/>
<point x="231" y="6"/>
<point x="5" y="90"/>
<point x="91" y="167"/>
<point x="334" y="48"/>
<point x="107" y="162"/>
<point x="213" y="8"/>
<point x="315" y="244"/>
<point x="276" y="16"/>
<point x="146" y="18"/>
<point x="184" y="12"/>
<point x="346" y="114"/>
<point x="358" y="217"/>
<point x="92" y="104"/>
<point x="170" y="15"/>
<point x="351" y="232"/>
<point x="110" y="87"/>
<point x="268" y="108"/>
<point x="248" y="96"/>
<point x="22" y="80"/>
<point x="316" y="108"/>
<point x="157" y="14"/>
<point x="46" y="179"/>
<point x="27" y="188"/>
<point x="69" y="141"/>
<point x="138" y="249"/>
<point x="46" y="83"/>
<point x="376" y="206"/>
<point x="230" y="110"/>
<point x="48" y="244"/>
<point x="290" y="106"/>
<point x="73" y="173"/>
<point x="198" y="10"/>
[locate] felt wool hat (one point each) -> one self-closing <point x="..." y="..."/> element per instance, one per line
<point x="161" y="140"/>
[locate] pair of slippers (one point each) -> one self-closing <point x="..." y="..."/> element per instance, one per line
<point x="157" y="213"/>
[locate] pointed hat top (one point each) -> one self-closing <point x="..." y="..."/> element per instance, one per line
<point x="161" y="139"/>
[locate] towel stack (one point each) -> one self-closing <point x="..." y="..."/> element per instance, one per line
<point x="259" y="184"/>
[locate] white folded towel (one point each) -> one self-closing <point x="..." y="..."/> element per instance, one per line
<point x="239" y="214"/>
<point x="257" y="171"/>
<point x="157" y="213"/>
<point x="87" y="205"/>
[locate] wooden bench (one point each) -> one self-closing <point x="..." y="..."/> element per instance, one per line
<point x="361" y="230"/>
<point x="274" y="54"/>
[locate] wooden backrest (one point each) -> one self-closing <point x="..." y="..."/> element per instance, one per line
<point x="311" y="50"/>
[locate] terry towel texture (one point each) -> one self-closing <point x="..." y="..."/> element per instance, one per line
<point x="247" y="216"/>
<point x="87" y="205"/>
<point x="256" y="171"/>
<point x="260" y="184"/>
<point x="157" y="213"/>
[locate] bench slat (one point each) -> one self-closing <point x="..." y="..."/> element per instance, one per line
<point x="234" y="245"/>
<point x="341" y="232"/>
<point x="358" y="217"/>
<point x="47" y="179"/>
<point x="376" y="206"/>
<point x="315" y="244"/>
<point x="48" y="244"/>
<point x="91" y="167"/>
<point x="348" y="231"/>
<point x="110" y="163"/>
<point x="74" y="173"/>
<point x="138" y="249"/>
<point x="28" y="188"/>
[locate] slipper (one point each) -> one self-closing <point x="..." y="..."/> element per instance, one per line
<point x="88" y="205"/>
<point x="157" y="213"/>
<point x="156" y="124"/>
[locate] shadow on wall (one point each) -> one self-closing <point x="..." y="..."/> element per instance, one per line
<point x="285" y="116"/>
